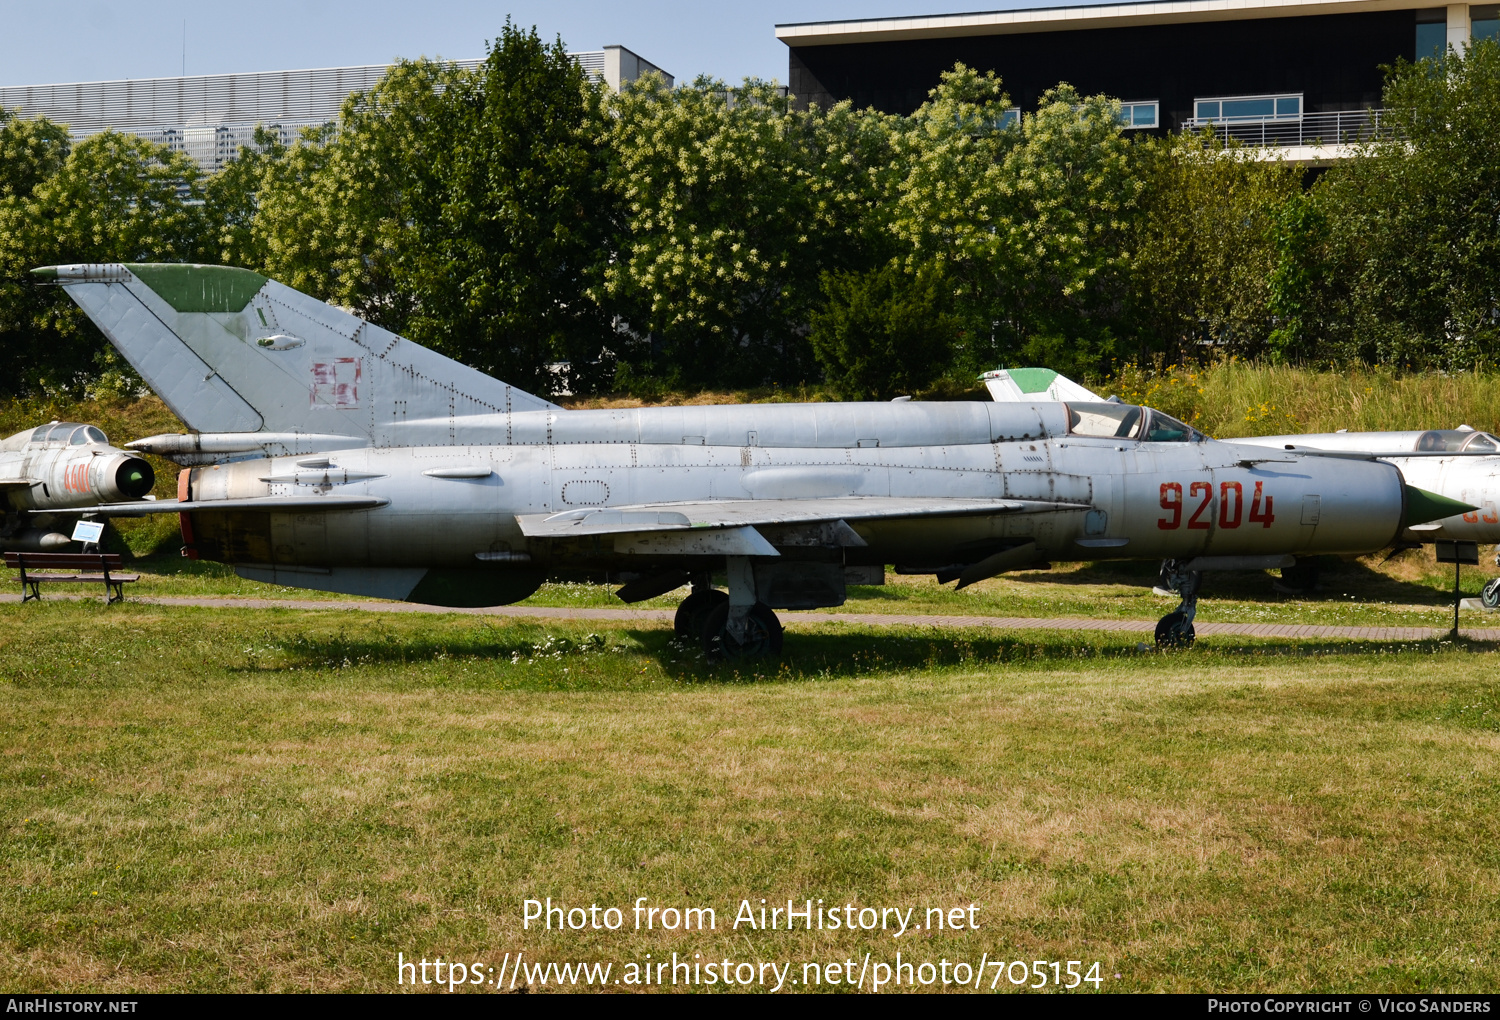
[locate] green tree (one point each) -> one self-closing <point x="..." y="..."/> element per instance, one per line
<point x="508" y="269"/>
<point x="1030" y="218"/>
<point x="231" y="204"/>
<point x="112" y="198"/>
<point x="884" y="333"/>
<point x="1206" y="248"/>
<point x="1293" y="285"/>
<point x="733" y="202"/>
<point x="31" y="150"/>
<point x="1414" y="222"/>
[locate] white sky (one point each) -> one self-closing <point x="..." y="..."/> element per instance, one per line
<point x="96" y="40"/>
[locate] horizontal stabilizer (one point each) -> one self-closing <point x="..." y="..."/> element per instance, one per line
<point x="266" y="504"/>
<point x="739" y="513"/>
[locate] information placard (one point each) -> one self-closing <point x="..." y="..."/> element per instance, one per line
<point x="88" y="531"/>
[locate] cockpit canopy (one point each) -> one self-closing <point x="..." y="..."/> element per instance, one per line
<point x="69" y="433"/>
<point x="1454" y="440"/>
<point x="1128" y="421"/>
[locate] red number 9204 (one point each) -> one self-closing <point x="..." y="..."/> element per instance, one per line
<point x="1231" y="506"/>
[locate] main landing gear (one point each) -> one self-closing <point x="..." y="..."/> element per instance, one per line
<point x="758" y="636"/>
<point x="733" y="625"/>
<point x="693" y="612"/>
<point x="1175" y="630"/>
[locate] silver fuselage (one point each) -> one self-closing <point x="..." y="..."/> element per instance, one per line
<point x="1144" y="500"/>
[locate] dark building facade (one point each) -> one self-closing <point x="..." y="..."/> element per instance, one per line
<point x="1268" y="65"/>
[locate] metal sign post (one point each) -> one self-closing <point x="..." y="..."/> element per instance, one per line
<point x="1457" y="553"/>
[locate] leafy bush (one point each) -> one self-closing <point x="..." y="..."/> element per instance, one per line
<point x="884" y="334"/>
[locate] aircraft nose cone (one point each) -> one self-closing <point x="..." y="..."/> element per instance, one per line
<point x="1423" y="506"/>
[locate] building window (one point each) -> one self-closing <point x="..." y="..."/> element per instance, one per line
<point x="1432" y="32"/>
<point x="1248" y="109"/>
<point x="975" y="126"/>
<point x="1484" y="22"/>
<point x="1140" y="115"/>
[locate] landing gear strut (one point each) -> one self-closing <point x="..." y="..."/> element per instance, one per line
<point x="740" y="626"/>
<point x="1175" y="630"/>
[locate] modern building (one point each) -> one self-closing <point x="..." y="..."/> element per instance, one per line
<point x="210" y="116"/>
<point x="1295" y="73"/>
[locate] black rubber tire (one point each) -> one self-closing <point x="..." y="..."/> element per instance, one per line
<point x="692" y="612"/>
<point x="762" y="641"/>
<point x="1172" y="631"/>
<point x="1489" y="597"/>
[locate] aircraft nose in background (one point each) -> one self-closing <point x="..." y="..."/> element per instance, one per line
<point x="1423" y="506"/>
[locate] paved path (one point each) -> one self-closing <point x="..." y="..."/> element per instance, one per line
<point x="659" y="617"/>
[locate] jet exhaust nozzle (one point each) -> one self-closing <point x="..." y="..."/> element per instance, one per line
<point x="134" y="478"/>
<point x="1423" y="506"/>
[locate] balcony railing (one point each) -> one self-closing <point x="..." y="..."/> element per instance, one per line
<point x="1337" y="127"/>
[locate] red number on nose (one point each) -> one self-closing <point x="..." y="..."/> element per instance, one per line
<point x="1208" y="497"/>
<point x="1237" y="491"/>
<point x="1171" y="501"/>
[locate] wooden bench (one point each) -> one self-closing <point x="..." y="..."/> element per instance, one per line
<point x="107" y="566"/>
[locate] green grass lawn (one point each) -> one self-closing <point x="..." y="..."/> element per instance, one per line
<point x="285" y="799"/>
<point x="1410" y="590"/>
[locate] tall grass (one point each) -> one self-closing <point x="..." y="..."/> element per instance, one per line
<point x="1235" y="398"/>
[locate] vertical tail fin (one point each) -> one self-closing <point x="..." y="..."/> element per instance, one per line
<point x="1028" y="385"/>
<point x="231" y="351"/>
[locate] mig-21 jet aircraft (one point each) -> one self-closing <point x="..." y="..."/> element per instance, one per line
<point x="330" y="453"/>
<point x="49" y="473"/>
<point x="1461" y="463"/>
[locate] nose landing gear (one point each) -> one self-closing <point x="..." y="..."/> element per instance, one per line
<point x="1175" y="630"/>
